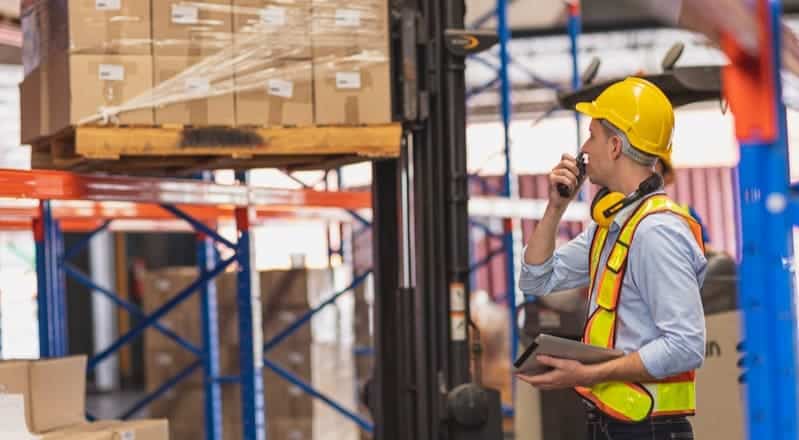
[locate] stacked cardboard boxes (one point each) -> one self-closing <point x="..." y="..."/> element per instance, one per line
<point x="213" y="62"/>
<point x="351" y="68"/>
<point x="45" y="399"/>
<point x="273" y="77"/>
<point x="287" y="295"/>
<point x="80" y="58"/>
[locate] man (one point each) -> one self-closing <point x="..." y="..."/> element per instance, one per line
<point x="666" y="169"/>
<point x="644" y="267"/>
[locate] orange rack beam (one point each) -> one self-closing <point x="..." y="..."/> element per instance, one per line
<point x="83" y="202"/>
<point x="58" y="185"/>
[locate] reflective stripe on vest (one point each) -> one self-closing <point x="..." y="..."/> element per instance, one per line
<point x="632" y="402"/>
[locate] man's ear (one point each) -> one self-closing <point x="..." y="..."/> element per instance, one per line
<point x="615" y="147"/>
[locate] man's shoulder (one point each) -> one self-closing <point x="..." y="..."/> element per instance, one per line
<point x="665" y="229"/>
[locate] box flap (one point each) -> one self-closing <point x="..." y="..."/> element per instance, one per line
<point x="58" y="392"/>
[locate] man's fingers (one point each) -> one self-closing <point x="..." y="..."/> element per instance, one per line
<point x="570" y="165"/>
<point x="551" y="361"/>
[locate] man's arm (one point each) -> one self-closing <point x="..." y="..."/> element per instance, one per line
<point x="568" y="374"/>
<point x="667" y="266"/>
<point x="543" y="269"/>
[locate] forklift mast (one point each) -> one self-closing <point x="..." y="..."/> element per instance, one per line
<point x="423" y="388"/>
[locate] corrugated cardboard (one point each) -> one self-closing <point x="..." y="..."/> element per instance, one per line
<point x="101" y="435"/>
<point x="101" y="26"/>
<point x="14" y="379"/>
<point x="272" y="29"/>
<point x="58" y="392"/>
<point x="80" y="85"/>
<point x="217" y="110"/>
<point x="350" y="90"/>
<point x="719" y="396"/>
<point x="275" y="94"/>
<point x="191" y="28"/>
<point x="349" y="25"/>
<point x="33" y="99"/>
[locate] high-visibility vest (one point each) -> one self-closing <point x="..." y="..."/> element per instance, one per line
<point x="627" y="401"/>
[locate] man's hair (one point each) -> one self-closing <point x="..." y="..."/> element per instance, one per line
<point x="627" y="148"/>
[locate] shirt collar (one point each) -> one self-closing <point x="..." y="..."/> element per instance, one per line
<point x="621" y="218"/>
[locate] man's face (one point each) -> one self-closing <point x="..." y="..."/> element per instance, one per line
<point x="602" y="153"/>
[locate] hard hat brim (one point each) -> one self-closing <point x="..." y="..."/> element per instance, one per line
<point x="589" y="109"/>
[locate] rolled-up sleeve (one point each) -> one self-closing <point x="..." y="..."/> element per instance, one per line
<point x="667" y="267"/>
<point x="566" y="269"/>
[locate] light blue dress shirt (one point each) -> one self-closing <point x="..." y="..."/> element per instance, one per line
<point x="660" y="311"/>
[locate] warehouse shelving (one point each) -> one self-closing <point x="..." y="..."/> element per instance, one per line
<point x="49" y="200"/>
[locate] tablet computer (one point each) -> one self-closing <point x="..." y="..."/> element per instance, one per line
<point x="561" y="348"/>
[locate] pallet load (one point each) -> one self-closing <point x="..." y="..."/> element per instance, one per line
<point x="46" y="399"/>
<point x="316" y="353"/>
<point x="214" y="82"/>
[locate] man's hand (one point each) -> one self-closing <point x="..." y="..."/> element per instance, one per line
<point x="565" y="172"/>
<point x="565" y="374"/>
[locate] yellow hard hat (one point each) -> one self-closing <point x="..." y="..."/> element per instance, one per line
<point x="640" y="110"/>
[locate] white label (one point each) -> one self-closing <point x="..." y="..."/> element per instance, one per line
<point x="108" y="5"/>
<point x="182" y="14"/>
<point x="348" y="17"/>
<point x="197" y="86"/>
<point x="280" y="87"/>
<point x="457" y="297"/>
<point x="112" y="72"/>
<point x="458" y="327"/>
<point x="127" y="435"/>
<point x="274" y="16"/>
<point x="348" y="80"/>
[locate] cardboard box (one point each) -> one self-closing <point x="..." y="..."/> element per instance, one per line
<point x="81" y="85"/>
<point x="33" y="104"/>
<point x="275" y="94"/>
<point x="101" y="26"/>
<point x="352" y="88"/>
<point x="54" y="390"/>
<point x="58" y="392"/>
<point x="201" y="110"/>
<point x="719" y="396"/>
<point x="191" y="28"/>
<point x="343" y="25"/>
<point x="272" y="29"/>
<point x="115" y="430"/>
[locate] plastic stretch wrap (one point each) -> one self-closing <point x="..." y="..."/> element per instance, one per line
<point x="212" y="62"/>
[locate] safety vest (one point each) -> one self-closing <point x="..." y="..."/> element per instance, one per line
<point x="632" y="402"/>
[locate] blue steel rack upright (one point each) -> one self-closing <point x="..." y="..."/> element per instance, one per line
<point x="53" y="266"/>
<point x="769" y="210"/>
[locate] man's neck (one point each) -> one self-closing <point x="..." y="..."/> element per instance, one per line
<point x="629" y="179"/>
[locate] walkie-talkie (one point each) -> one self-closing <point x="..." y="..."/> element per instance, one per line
<point x="564" y="190"/>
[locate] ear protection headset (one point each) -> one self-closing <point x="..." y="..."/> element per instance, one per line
<point x="607" y="204"/>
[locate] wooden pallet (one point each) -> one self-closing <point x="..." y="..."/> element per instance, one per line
<point x="171" y="150"/>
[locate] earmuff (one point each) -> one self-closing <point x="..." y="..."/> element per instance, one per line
<point x="607" y="204"/>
